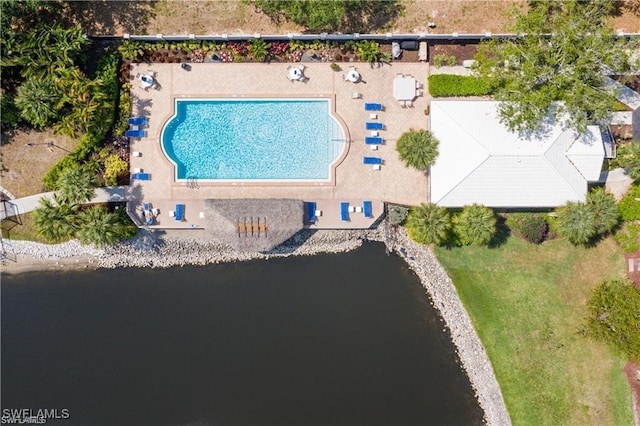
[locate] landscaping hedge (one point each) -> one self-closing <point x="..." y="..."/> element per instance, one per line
<point x="629" y="206"/>
<point x="447" y="85"/>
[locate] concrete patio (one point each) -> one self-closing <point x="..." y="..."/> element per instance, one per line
<point x="353" y="181"/>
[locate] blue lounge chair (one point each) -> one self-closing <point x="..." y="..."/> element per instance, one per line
<point x="311" y="212"/>
<point x="140" y="176"/>
<point x="147" y="207"/>
<point x="372" y="107"/>
<point x="373" y="140"/>
<point x="344" y="211"/>
<point x="138" y="121"/>
<point x="366" y="206"/>
<point x="372" y="160"/>
<point x="134" y="133"/>
<point x="373" y="125"/>
<point x="179" y="211"/>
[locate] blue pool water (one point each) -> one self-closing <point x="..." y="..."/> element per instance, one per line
<point x="257" y="139"/>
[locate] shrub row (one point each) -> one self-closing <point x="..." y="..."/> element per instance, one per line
<point x="107" y="71"/>
<point x="630" y="205"/>
<point x="531" y="227"/>
<point x="446" y="85"/>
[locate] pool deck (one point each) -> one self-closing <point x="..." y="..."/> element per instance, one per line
<point x="354" y="182"/>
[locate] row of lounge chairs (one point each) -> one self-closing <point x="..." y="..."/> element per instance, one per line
<point x="345" y="209"/>
<point x="312" y="213"/>
<point x="373" y="140"/>
<point x="135" y="131"/>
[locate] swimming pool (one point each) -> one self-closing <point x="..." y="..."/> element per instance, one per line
<point x="253" y="139"/>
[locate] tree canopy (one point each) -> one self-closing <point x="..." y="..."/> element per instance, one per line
<point x="418" y="148"/>
<point x="475" y="225"/>
<point x="429" y="224"/>
<point x="614" y="316"/>
<point x="558" y="65"/>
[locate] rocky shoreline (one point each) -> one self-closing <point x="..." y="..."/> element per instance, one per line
<point x="151" y="250"/>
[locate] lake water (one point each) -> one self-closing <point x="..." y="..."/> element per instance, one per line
<point x="329" y="339"/>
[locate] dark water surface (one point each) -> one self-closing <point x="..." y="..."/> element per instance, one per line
<point x="330" y="339"/>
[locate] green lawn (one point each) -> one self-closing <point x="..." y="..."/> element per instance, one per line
<point x="527" y="303"/>
<point x="21" y="227"/>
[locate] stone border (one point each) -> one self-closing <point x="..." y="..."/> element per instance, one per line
<point x="148" y="250"/>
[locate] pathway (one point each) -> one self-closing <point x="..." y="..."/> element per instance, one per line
<point x="627" y="96"/>
<point x="18" y="206"/>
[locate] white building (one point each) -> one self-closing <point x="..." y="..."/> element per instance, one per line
<point x="482" y="162"/>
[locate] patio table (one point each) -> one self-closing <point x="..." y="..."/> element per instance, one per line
<point x="146" y="81"/>
<point x="404" y="88"/>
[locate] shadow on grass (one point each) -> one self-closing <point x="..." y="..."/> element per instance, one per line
<point x="502" y="233"/>
<point x="106" y="17"/>
<point x="368" y="16"/>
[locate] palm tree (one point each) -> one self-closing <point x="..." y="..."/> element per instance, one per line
<point x="77" y="184"/>
<point x="428" y="224"/>
<point x="55" y="219"/>
<point x="475" y="225"/>
<point x="36" y="100"/>
<point x="418" y="148"/>
<point x="577" y="223"/>
<point x="630" y="159"/>
<point x="605" y="210"/>
<point x="98" y="226"/>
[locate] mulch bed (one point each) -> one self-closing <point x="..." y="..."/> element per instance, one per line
<point x="460" y="51"/>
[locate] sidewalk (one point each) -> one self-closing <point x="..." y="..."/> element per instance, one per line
<point x="27" y="204"/>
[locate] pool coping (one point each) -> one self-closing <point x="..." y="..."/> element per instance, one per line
<point x="330" y="181"/>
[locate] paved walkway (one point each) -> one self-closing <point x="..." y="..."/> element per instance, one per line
<point x="621" y="117"/>
<point x="627" y="96"/>
<point x="27" y="204"/>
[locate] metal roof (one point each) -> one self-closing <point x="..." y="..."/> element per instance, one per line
<point x="481" y="161"/>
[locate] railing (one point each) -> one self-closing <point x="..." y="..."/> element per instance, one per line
<point x="387" y="37"/>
